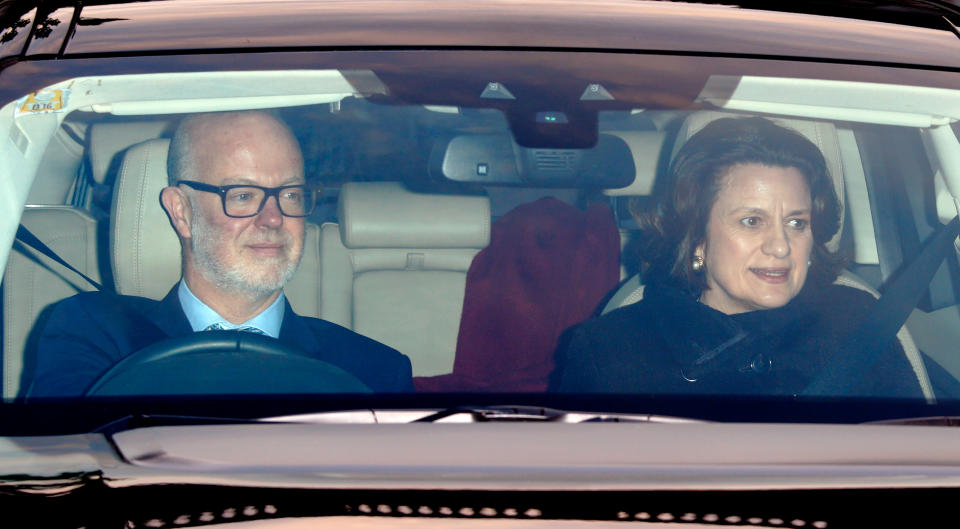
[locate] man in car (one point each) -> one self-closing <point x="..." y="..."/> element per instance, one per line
<point x="237" y="201"/>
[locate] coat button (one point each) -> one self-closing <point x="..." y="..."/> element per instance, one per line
<point x="761" y="364"/>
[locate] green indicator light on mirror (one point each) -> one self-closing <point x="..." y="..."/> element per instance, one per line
<point x="551" y="117"/>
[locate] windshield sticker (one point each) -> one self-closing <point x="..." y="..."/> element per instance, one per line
<point x="43" y="102"/>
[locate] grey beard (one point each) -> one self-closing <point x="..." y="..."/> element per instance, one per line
<point x="233" y="277"/>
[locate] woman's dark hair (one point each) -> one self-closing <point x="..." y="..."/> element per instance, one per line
<point x="678" y="224"/>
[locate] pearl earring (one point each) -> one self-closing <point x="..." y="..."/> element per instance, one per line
<point x="697" y="264"/>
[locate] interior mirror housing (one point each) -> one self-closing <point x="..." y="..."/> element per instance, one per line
<point x="497" y="159"/>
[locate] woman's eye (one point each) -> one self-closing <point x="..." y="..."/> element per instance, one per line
<point x="750" y="222"/>
<point x="798" y="224"/>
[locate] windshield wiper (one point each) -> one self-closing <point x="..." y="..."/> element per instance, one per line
<point x="473" y="414"/>
<point x="539" y="414"/>
<point x="132" y="422"/>
<point x="460" y="414"/>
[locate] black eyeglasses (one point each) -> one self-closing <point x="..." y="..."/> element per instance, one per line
<point x="243" y="200"/>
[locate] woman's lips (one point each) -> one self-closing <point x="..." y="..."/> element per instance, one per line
<point x="772" y="275"/>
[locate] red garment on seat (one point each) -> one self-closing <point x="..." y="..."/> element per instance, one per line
<point x="547" y="268"/>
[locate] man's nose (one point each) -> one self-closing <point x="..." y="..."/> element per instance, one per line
<point x="777" y="243"/>
<point x="270" y="216"/>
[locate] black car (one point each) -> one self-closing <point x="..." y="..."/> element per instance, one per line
<point x="490" y="191"/>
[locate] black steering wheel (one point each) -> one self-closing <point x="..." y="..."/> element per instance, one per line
<point x="223" y="363"/>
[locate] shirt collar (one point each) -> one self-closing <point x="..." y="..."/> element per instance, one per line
<point x="201" y="316"/>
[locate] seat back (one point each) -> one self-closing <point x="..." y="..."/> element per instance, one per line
<point x="144" y="248"/>
<point x="108" y="140"/>
<point x="32" y="282"/>
<point x="394" y="268"/>
<point x="646" y="147"/>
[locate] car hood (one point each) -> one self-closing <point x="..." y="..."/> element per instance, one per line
<point x="494" y="456"/>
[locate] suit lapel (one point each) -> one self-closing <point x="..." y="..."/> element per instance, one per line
<point x="168" y="315"/>
<point x="295" y="332"/>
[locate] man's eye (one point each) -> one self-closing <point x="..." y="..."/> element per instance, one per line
<point x="293" y="195"/>
<point x="240" y="196"/>
<point x="798" y="224"/>
<point x="750" y="222"/>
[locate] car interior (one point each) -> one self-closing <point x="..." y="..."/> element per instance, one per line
<point x="388" y="254"/>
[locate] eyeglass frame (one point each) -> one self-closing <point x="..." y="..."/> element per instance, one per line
<point x="267" y="193"/>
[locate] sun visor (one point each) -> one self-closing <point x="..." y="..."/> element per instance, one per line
<point x="857" y="102"/>
<point x="172" y="93"/>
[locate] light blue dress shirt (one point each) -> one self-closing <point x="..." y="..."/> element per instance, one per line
<point x="202" y="316"/>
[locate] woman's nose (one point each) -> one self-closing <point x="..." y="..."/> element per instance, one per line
<point x="777" y="244"/>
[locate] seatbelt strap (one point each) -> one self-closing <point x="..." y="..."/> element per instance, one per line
<point x="27" y="237"/>
<point x="885" y="319"/>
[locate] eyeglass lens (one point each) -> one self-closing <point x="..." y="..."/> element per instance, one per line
<point x="247" y="201"/>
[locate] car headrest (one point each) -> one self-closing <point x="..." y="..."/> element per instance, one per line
<point x="144" y="248"/>
<point x="109" y="139"/>
<point x="645" y="147"/>
<point x="387" y="215"/>
<point x="822" y="134"/>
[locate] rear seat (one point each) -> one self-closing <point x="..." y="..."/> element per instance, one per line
<point x="395" y="267"/>
<point x="33" y="282"/>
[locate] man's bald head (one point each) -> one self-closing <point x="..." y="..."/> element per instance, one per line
<point x="188" y="148"/>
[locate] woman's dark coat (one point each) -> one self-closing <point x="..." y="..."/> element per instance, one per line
<point x="671" y="343"/>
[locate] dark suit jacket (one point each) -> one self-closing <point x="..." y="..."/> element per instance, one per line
<point x="90" y="332"/>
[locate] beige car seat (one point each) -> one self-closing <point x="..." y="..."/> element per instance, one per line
<point x="824" y="135"/>
<point x="395" y="267"/>
<point x="33" y="282"/>
<point x="646" y="147"/>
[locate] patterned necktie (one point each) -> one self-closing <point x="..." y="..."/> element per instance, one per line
<point x="222" y="327"/>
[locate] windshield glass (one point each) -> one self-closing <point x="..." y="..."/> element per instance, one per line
<point x="588" y="231"/>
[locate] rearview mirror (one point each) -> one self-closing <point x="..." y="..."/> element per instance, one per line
<point x="497" y="159"/>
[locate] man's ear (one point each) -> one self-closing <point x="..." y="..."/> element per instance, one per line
<point x="177" y="206"/>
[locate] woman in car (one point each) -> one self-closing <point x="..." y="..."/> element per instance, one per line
<point x="739" y="295"/>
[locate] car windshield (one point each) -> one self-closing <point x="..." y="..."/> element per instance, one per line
<point x="580" y="230"/>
